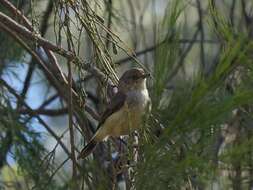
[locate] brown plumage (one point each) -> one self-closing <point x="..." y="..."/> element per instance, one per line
<point x="125" y="110"/>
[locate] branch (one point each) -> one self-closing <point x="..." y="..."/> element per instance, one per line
<point x="13" y="92"/>
<point x="46" y="17"/>
<point x="202" y="35"/>
<point x="48" y="101"/>
<point x="152" y="48"/>
<point x="51" y="77"/>
<point x="48" y="112"/>
<point x="183" y="56"/>
<point x="17" y="13"/>
<point x="92" y="69"/>
<point x="70" y="105"/>
<point x="28" y="78"/>
<point x="41" y="121"/>
<point x="24" y="32"/>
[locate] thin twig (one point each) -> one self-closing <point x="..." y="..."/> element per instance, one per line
<point x="21" y="30"/>
<point x="202" y="35"/>
<point x="40" y="111"/>
<point x="152" y="48"/>
<point x="232" y="12"/>
<point x="182" y="57"/>
<point x="70" y="104"/>
<point x="46" y="17"/>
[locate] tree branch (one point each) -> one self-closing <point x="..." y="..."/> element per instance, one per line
<point x="33" y="37"/>
<point x="48" y="112"/>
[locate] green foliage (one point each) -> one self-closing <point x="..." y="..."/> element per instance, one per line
<point x="26" y="148"/>
<point x="167" y="53"/>
<point x="183" y="155"/>
<point x="9" y="49"/>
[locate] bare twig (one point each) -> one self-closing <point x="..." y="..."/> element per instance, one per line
<point x="152" y="48"/>
<point x="232" y="11"/>
<point x="182" y="57"/>
<point x="70" y="98"/>
<point x="46" y="17"/>
<point x="40" y="111"/>
<point x="12" y="91"/>
<point x="71" y="130"/>
<point x="51" y="75"/>
<point x="21" y="30"/>
<point x="44" y="124"/>
<point x="202" y="35"/>
<point x="109" y="5"/>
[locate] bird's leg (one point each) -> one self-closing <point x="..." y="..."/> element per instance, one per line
<point x="135" y="146"/>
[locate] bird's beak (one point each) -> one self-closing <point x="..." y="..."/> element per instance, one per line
<point x="146" y="75"/>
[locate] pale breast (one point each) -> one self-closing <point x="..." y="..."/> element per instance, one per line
<point x="137" y="99"/>
<point x="137" y="102"/>
<point x="128" y="117"/>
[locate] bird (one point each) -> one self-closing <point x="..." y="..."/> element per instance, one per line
<point x="125" y="111"/>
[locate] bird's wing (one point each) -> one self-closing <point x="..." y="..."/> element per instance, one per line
<point x="115" y="104"/>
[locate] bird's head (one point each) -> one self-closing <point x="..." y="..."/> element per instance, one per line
<point x="133" y="79"/>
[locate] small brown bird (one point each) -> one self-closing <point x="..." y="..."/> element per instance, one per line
<point x="125" y="111"/>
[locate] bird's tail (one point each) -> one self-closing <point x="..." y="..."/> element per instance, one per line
<point x="87" y="149"/>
